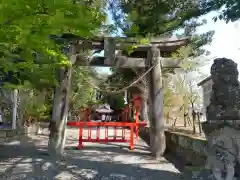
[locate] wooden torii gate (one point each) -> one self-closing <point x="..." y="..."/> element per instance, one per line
<point x="154" y="55"/>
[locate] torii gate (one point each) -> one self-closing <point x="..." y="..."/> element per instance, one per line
<point x="154" y="55"/>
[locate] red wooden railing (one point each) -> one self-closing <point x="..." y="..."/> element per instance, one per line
<point x="106" y="138"/>
<point x="127" y="124"/>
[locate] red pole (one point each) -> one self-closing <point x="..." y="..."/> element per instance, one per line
<point x="131" y="142"/>
<point x="136" y="122"/>
<point x="106" y="133"/>
<point x="115" y="132"/>
<point x="98" y="133"/>
<point x="123" y="133"/>
<point x="89" y="133"/>
<point x="137" y="105"/>
<point x="80" y="143"/>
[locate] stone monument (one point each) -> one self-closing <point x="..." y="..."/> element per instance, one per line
<point x="222" y="128"/>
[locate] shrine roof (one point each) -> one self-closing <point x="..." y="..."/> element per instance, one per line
<point x="204" y="81"/>
<point x="104" y="108"/>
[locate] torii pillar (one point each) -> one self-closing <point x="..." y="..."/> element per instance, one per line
<point x="156" y="95"/>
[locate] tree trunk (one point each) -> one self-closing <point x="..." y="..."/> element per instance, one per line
<point x="144" y="105"/>
<point x="156" y="95"/>
<point x="57" y="126"/>
<point x="194" y="121"/>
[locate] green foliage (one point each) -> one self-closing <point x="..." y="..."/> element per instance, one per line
<point x="36" y="110"/>
<point x="25" y="29"/>
<point x="229" y="9"/>
<point x="38" y="105"/>
<point x="116" y="101"/>
<point x="83" y="88"/>
<point x="121" y="77"/>
<point x="150" y="18"/>
<point x="154" y="18"/>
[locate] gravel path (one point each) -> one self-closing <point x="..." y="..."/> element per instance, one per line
<point x="25" y="159"/>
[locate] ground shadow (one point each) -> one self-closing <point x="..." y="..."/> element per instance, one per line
<point x="177" y="161"/>
<point x="24" y="160"/>
<point x="41" y="167"/>
<point x="109" y="151"/>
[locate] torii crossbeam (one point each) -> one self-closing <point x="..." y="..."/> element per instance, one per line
<point x="116" y="56"/>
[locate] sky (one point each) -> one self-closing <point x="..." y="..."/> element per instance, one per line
<point x="226" y="41"/>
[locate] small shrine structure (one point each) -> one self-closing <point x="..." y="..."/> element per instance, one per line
<point x="105" y="112"/>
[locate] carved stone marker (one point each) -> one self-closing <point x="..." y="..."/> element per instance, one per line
<point x="225" y="99"/>
<point x="223" y="115"/>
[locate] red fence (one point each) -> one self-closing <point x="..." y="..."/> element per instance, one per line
<point x="106" y="125"/>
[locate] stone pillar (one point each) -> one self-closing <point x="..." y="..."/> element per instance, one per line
<point x="57" y="126"/>
<point x="109" y="50"/>
<point x="144" y="106"/>
<point x="15" y="106"/>
<point x="155" y="92"/>
<point x="144" y="110"/>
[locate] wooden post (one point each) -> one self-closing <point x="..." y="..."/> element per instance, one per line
<point x="155" y="80"/>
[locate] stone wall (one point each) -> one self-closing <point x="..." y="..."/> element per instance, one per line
<point x="190" y="149"/>
<point x="6" y="134"/>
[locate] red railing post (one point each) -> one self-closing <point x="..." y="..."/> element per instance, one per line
<point x="80" y="138"/>
<point x="106" y="133"/>
<point x="115" y="133"/>
<point x="136" y="123"/>
<point x="123" y="133"/>
<point x="137" y="105"/>
<point x="98" y="133"/>
<point x="98" y="125"/>
<point x="131" y="141"/>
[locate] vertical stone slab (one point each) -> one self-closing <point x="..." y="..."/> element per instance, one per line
<point x="109" y="51"/>
<point x="144" y="95"/>
<point x="155" y="80"/>
<point x="144" y="109"/>
<point x="15" y="107"/>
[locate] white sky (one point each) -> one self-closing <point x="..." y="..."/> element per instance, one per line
<point x="226" y="41"/>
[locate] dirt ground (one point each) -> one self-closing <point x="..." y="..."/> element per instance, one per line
<point x="26" y="158"/>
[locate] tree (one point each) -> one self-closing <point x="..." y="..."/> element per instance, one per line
<point x="229" y="9"/>
<point x="154" y="18"/>
<point x="185" y="83"/>
<point x="27" y="50"/>
<point x="83" y="91"/>
<point x="116" y="101"/>
<point x="31" y="49"/>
